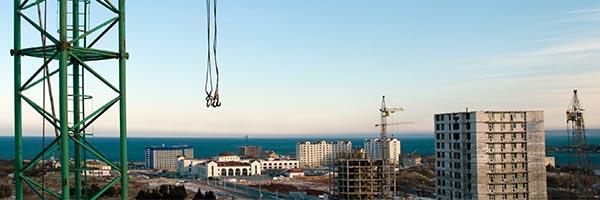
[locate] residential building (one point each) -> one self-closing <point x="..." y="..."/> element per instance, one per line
<point x="490" y="155"/>
<point x="320" y="153"/>
<point x="355" y="177"/>
<point x="373" y="150"/>
<point x="165" y="157"/>
<point x="226" y="156"/>
<point x="550" y="161"/>
<point x="411" y="160"/>
<point x="96" y="168"/>
<point x="251" y="152"/>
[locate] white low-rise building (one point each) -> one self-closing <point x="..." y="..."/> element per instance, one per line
<point x="225" y="164"/>
<point x="96" y="168"/>
<point x="229" y="168"/>
<point x="293" y="172"/>
<point x="187" y="166"/>
<point x="279" y="164"/>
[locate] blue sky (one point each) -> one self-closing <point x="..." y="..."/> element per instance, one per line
<point x="320" y="67"/>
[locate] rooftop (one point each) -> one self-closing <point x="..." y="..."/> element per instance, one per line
<point x="163" y="147"/>
<point x="232" y="164"/>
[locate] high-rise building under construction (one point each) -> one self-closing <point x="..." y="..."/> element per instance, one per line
<point x="356" y="177"/>
<point x="490" y="155"/>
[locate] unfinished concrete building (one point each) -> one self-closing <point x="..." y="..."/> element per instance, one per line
<point x="356" y="177"/>
<point x="490" y="155"/>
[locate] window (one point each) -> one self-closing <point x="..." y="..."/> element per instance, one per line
<point x="456" y="136"/>
<point x="468" y="126"/>
<point x="456" y="155"/>
<point x="456" y="165"/>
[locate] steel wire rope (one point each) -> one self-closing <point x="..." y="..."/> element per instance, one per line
<point x="211" y="86"/>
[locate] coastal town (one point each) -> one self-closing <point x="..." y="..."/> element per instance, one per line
<point x="327" y="169"/>
<point x="299" y="100"/>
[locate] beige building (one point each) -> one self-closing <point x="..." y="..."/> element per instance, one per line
<point x="320" y="153"/>
<point x="490" y="155"/>
<point x="165" y="157"/>
<point x="550" y="161"/>
<point x="373" y="147"/>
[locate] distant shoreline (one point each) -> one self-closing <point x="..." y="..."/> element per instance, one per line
<point x="417" y="134"/>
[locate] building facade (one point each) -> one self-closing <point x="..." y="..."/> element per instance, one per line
<point x="213" y="168"/>
<point x="96" y="168"/>
<point x="320" y="153"/>
<point x="222" y="165"/>
<point x="410" y="160"/>
<point x="373" y="147"/>
<point x="251" y="152"/>
<point x="272" y="163"/>
<point x="163" y="157"/>
<point x="356" y="177"/>
<point x="490" y="155"/>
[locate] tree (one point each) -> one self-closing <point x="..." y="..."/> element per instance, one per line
<point x="210" y="195"/>
<point x="5" y="191"/>
<point x="198" y="195"/>
<point x="141" y="195"/>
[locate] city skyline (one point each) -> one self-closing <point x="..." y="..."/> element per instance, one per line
<point x="314" y="68"/>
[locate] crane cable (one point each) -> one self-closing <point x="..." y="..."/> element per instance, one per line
<point x="211" y="87"/>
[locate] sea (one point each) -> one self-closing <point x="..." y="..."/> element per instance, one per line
<point x="207" y="147"/>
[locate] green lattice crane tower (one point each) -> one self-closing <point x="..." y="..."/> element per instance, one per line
<point x="74" y="58"/>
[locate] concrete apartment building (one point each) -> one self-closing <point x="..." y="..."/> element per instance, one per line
<point x="320" y="153"/>
<point x="373" y="147"/>
<point x="490" y="155"/>
<point x="356" y="177"/>
<point x="165" y="157"/>
<point x="251" y="152"/>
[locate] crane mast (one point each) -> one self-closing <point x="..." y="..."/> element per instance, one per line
<point x="578" y="141"/>
<point x="387" y="168"/>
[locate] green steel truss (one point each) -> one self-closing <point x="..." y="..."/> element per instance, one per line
<point x="72" y="55"/>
